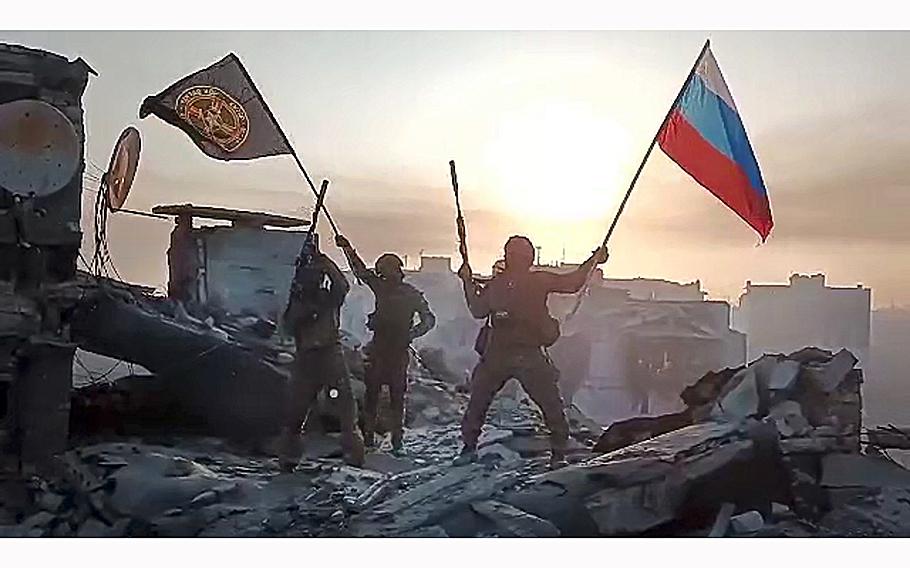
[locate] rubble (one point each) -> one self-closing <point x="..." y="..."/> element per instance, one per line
<point x="749" y="522"/>
<point x="762" y="450"/>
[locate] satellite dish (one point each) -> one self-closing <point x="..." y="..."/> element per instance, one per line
<point x="40" y="149"/>
<point x="121" y="171"/>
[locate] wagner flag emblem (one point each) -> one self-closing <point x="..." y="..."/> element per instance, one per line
<point x="221" y="110"/>
<point x="704" y="134"/>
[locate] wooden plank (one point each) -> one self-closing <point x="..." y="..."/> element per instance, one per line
<point x="241" y="216"/>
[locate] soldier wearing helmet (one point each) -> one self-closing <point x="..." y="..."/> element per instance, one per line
<point x="394" y="327"/>
<point x="519" y="328"/>
<point x="312" y="314"/>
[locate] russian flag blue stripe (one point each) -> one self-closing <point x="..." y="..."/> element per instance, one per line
<point x="721" y="127"/>
<point x="705" y="135"/>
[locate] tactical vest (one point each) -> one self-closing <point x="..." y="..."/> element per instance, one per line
<point x="519" y="313"/>
<point x="393" y="317"/>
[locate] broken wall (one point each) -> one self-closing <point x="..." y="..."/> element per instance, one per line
<point x="39" y="243"/>
<point x="248" y="268"/>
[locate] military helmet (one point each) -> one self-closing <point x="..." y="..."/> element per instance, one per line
<point x="389" y="264"/>
<point x="519" y="251"/>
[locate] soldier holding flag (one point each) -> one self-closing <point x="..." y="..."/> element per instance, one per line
<point x="514" y="303"/>
<point x="313" y="314"/>
<point x="225" y="115"/>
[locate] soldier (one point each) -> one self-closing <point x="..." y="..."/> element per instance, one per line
<point x="518" y="328"/>
<point x="317" y="293"/>
<point x="393" y="327"/>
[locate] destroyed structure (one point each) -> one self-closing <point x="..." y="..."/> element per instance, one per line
<point x="708" y="446"/>
<point x="631" y="351"/>
<point x="244" y="268"/>
<point x="40" y="236"/>
<point x="779" y="318"/>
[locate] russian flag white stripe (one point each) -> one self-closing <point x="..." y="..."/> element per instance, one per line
<point x="710" y="73"/>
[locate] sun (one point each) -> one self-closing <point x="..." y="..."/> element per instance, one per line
<point x="555" y="161"/>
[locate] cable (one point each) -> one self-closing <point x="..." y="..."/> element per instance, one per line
<point x="96" y="379"/>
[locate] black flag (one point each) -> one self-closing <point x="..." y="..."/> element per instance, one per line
<point x="220" y="108"/>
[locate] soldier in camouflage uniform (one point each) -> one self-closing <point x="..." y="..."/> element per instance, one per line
<point x="394" y="328"/>
<point x="517" y="331"/>
<point x="317" y="293"/>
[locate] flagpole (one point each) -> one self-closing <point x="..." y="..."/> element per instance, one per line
<point x="309" y="181"/>
<point x="641" y="167"/>
<point x="277" y="124"/>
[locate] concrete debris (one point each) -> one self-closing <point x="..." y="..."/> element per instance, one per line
<point x="722" y="522"/>
<point x="513" y="521"/>
<point x="827" y="377"/>
<point x="497" y="453"/>
<point x="742" y="401"/>
<point x="788" y="419"/>
<point x="434" y="531"/>
<point x="783" y="376"/>
<point x="778" y="509"/>
<point x="755" y="451"/>
<point x="747" y="523"/>
<point x="856" y="470"/>
<point x="493" y="436"/>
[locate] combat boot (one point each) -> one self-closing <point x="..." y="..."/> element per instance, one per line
<point x="468" y="455"/>
<point x="289" y="451"/>
<point x="397" y="443"/>
<point x="355" y="454"/>
<point x="557" y="459"/>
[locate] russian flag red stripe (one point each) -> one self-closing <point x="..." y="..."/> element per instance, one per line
<point x="705" y="136"/>
<point x="716" y="172"/>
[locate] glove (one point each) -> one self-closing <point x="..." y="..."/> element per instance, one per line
<point x="465" y="272"/>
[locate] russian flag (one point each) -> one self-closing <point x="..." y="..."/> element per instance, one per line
<point x="705" y="135"/>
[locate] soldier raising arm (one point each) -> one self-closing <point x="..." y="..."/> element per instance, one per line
<point x="392" y="323"/>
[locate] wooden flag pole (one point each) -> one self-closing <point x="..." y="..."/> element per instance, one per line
<point x="641" y="167"/>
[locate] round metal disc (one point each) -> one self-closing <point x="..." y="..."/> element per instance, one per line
<point x="122" y="169"/>
<point x="39" y="148"/>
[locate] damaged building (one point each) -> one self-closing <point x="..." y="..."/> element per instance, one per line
<point x="779" y="318"/>
<point x="632" y="348"/>
<point x="243" y="268"/>
<point x="42" y="138"/>
<point x="698" y="442"/>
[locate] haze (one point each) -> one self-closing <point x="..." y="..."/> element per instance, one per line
<point x="547" y="129"/>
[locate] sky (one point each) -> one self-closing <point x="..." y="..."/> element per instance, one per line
<point x="547" y="129"/>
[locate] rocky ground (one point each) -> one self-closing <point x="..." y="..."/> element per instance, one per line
<point x="744" y="459"/>
<point x="199" y="486"/>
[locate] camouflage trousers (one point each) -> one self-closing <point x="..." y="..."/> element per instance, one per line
<point x="537" y="375"/>
<point x="385" y="365"/>
<point x="314" y="370"/>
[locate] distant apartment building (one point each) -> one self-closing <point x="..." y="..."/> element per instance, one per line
<point x="657" y="289"/>
<point x="781" y="318"/>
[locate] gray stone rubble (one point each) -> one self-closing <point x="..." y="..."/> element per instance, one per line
<point x="771" y="449"/>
